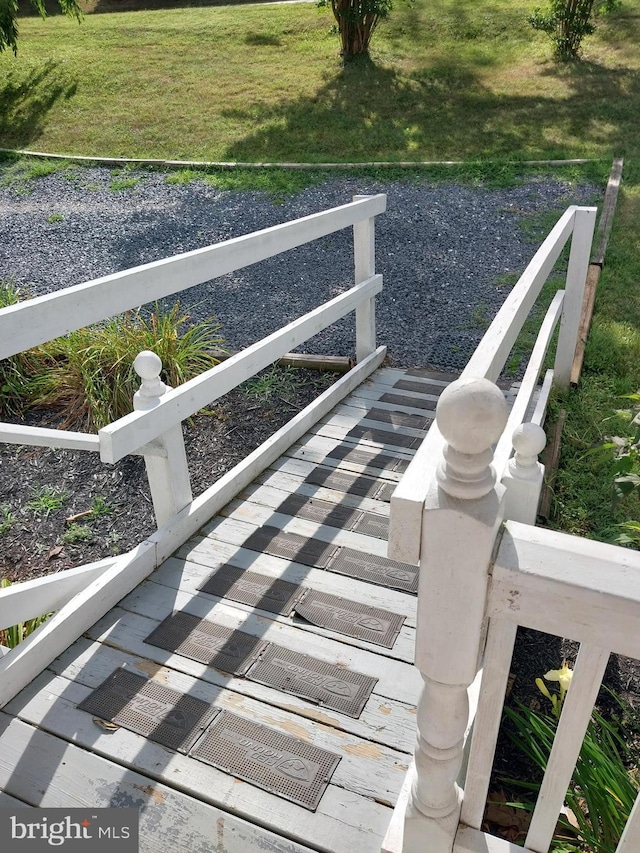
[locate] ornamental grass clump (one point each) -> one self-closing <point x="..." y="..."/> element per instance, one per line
<point x="10" y="637"/>
<point x="87" y="378"/>
<point x="603" y="788"/>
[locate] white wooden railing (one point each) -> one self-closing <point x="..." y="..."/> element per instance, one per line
<point x="82" y="595"/>
<point x="484" y="570"/>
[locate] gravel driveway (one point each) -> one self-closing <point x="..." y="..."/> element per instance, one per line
<point x="442" y="250"/>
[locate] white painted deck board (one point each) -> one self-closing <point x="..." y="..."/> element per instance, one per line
<point x="50" y="704"/>
<point x="397" y="680"/>
<point x="169" y="819"/>
<point x="384" y="721"/>
<point x="190" y="574"/>
<point x="275" y="487"/>
<point x="375" y="749"/>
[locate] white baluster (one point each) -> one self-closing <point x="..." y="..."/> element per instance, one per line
<point x="364" y="253"/>
<point x="168" y="475"/>
<point x="524" y="475"/>
<point x="462" y="515"/>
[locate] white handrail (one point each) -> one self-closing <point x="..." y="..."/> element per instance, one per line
<point x="130" y="432"/>
<point x="44" y="318"/>
<point x="486" y="362"/>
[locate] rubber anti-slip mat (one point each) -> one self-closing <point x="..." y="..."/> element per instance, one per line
<point x="378" y="570"/>
<point x="352" y="484"/>
<point x="225" y="649"/>
<point x="327" y="684"/>
<point x="406" y="400"/>
<point x="373" y="525"/>
<point x="290" y="546"/>
<point x="350" y="618"/>
<point x="322" y="512"/>
<point x="286" y="766"/>
<point x="419" y="387"/>
<point x="382" y="436"/>
<point x="388" y="416"/>
<point x="380" y="461"/>
<point x="245" y="587"/>
<point x="150" y="709"/>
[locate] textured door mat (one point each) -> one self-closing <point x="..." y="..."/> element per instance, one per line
<point x="428" y="373"/>
<point x="382" y="436"/>
<point x="269" y="759"/>
<point x="225" y="649"/>
<point x="150" y="709"/>
<point x="379" y="461"/>
<point x="372" y="525"/>
<point x="245" y="587"/>
<point x="290" y="546"/>
<point x="420" y="388"/>
<point x="325" y="683"/>
<point x="322" y="512"/>
<point x="352" y="484"/>
<point x="385" y="492"/>
<point x="378" y="570"/>
<point x="350" y="618"/>
<point x="413" y="402"/>
<point x="399" y="418"/>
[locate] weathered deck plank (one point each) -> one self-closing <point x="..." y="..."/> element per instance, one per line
<point x="57" y="755"/>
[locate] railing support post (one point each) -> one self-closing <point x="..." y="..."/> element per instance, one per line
<point x="584" y="223"/>
<point x="168" y="475"/>
<point x="524" y="475"/>
<point x="364" y="253"/>
<point x="462" y="515"/>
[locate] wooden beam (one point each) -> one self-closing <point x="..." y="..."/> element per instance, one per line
<point x="608" y="211"/>
<point x="306" y="360"/>
<point x="550" y="459"/>
<point x="593" y="276"/>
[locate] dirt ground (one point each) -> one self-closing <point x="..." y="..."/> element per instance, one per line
<point x="38" y="541"/>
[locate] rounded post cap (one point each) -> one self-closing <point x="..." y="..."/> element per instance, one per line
<point x="147" y="365"/>
<point x="471" y="414"/>
<point x="529" y="439"/>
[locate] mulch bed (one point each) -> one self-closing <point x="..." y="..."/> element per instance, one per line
<point x="35" y="545"/>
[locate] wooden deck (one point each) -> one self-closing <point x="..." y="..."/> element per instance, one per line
<point x="53" y="754"/>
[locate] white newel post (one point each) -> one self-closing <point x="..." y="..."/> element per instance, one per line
<point x="168" y="475"/>
<point x="524" y="475"/>
<point x="462" y="515"/>
<point x="364" y="253"/>
<point x="584" y="223"/>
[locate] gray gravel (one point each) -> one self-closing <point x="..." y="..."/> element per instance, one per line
<point x="441" y="249"/>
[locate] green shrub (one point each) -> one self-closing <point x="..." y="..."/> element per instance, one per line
<point x="87" y="376"/>
<point x="569" y="21"/>
<point x="602" y="790"/>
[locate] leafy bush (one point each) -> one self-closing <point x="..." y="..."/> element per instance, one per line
<point x="569" y="21"/>
<point x="602" y="790"/>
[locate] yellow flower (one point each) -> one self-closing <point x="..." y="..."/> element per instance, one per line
<point x="562" y="675"/>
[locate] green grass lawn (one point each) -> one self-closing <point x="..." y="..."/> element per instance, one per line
<point x="446" y="80"/>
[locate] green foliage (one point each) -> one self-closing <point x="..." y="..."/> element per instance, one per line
<point x="9" y="22"/>
<point x="77" y="533"/>
<point x="101" y="507"/>
<point x="275" y="383"/>
<point x="569" y="21"/>
<point x="119" y="184"/>
<point x="602" y="790"/>
<point x="10" y="637"/>
<point x="87" y="377"/>
<point x="7" y="519"/>
<point x="19" y="373"/>
<point x="47" y="499"/>
<point x="356" y="22"/>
